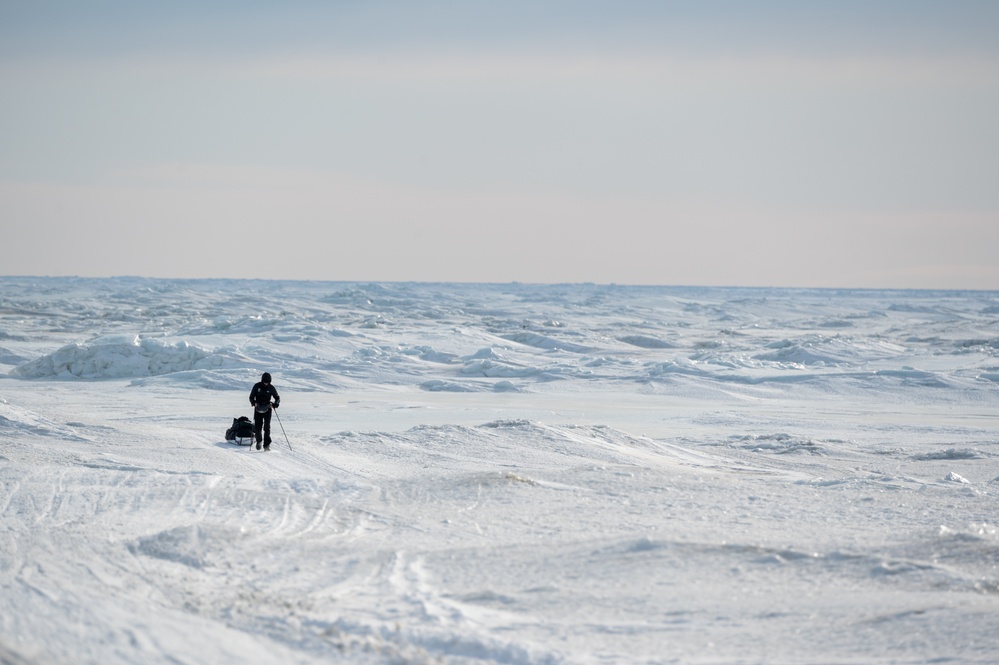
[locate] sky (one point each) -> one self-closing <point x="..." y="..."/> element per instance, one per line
<point x="738" y="143"/>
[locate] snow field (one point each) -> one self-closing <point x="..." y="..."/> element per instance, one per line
<point x="689" y="476"/>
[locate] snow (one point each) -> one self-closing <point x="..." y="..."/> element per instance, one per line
<point x="497" y="474"/>
<point x="122" y="356"/>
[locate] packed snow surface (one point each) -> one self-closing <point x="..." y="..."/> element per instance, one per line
<point x="515" y="474"/>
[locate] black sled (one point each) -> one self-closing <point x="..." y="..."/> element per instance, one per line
<point x="241" y="432"/>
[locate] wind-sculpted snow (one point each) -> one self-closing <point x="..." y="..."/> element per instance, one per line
<point x="16" y="421"/>
<point x="497" y="474"/>
<point x="817" y="350"/>
<point x="433" y="335"/>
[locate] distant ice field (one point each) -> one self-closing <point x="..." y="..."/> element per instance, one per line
<point x="506" y="473"/>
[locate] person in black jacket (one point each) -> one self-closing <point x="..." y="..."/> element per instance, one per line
<point x="260" y="399"/>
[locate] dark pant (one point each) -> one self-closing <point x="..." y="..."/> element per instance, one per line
<point x="262" y="419"/>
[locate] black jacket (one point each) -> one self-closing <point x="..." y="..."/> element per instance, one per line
<point x="262" y="393"/>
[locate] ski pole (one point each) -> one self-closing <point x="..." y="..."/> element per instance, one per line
<point x="282" y="430"/>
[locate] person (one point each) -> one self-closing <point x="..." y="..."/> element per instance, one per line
<point x="260" y="399"/>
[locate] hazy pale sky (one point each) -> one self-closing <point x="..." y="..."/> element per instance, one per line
<point x="839" y="144"/>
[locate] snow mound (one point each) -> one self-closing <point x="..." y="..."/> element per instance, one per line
<point x="779" y="443"/>
<point x="956" y="478"/>
<point x="647" y="342"/>
<point x="495" y="369"/>
<point x="126" y="356"/>
<point x="438" y="385"/>
<point x="546" y="343"/>
<point x="949" y="454"/>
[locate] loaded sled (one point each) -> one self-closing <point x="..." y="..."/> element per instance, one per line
<point x="241" y="432"/>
